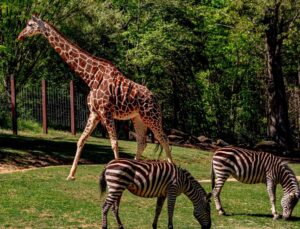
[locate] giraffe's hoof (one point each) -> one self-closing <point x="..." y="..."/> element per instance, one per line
<point x="221" y="212"/>
<point x="72" y="178"/>
<point x="170" y="161"/>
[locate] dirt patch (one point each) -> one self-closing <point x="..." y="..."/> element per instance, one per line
<point x="6" y="168"/>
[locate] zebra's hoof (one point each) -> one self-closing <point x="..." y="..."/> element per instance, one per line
<point x="72" y="178"/>
<point x="276" y="216"/>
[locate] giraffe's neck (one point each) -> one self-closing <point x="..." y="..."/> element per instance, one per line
<point x="91" y="69"/>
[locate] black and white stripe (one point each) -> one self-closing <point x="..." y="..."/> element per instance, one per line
<point x="252" y="167"/>
<point x="152" y="179"/>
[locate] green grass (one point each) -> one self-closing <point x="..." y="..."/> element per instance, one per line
<point x="42" y="198"/>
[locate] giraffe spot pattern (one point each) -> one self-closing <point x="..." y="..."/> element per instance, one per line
<point x="112" y="96"/>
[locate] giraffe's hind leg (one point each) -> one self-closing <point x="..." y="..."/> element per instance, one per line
<point x="140" y="130"/>
<point x="109" y="123"/>
<point x="151" y="116"/>
<point x="156" y="127"/>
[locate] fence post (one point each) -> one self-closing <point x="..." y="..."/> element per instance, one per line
<point x="72" y="107"/>
<point x="44" y="106"/>
<point x="13" y="105"/>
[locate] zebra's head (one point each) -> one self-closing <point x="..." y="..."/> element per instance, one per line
<point x="288" y="203"/>
<point x="202" y="212"/>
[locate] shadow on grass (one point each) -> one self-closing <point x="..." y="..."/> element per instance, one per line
<point x="29" y="151"/>
<point x="293" y="218"/>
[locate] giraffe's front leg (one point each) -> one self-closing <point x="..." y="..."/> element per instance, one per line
<point x="90" y="126"/>
<point x="271" y="188"/>
<point x="109" y="123"/>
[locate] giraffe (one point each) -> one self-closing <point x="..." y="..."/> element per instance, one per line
<point x="112" y="96"/>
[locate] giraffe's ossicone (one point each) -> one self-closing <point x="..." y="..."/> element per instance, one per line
<point x="112" y="96"/>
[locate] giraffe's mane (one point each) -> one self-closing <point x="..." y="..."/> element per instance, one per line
<point x="77" y="46"/>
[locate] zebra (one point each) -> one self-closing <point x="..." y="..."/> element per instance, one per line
<point x="252" y="167"/>
<point x="152" y="179"/>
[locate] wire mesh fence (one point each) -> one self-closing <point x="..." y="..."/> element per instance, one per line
<point x="29" y="107"/>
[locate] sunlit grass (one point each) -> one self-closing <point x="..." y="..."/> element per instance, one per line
<point x="42" y="198"/>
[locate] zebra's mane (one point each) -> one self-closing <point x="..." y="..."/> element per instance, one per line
<point x="193" y="181"/>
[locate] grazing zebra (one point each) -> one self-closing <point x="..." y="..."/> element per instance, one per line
<point x="252" y="167"/>
<point x="152" y="179"/>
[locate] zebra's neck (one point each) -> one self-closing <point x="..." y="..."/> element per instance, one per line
<point x="288" y="180"/>
<point x="194" y="191"/>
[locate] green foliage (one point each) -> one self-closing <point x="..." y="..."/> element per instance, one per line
<point x="204" y="60"/>
<point x="29" y="125"/>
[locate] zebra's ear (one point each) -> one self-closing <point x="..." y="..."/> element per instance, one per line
<point x="295" y="194"/>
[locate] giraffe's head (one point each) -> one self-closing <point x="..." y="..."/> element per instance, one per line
<point x="34" y="26"/>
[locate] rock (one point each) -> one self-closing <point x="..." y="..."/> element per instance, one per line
<point x="175" y="138"/>
<point x="269" y="146"/>
<point x="178" y="133"/>
<point x="204" y="139"/>
<point x="221" y="143"/>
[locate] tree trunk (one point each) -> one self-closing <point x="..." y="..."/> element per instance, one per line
<point x="278" y="122"/>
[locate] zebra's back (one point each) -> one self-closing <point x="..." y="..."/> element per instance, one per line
<point x="246" y="166"/>
<point x="142" y="178"/>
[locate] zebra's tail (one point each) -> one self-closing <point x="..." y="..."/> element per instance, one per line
<point x="212" y="177"/>
<point x="102" y="183"/>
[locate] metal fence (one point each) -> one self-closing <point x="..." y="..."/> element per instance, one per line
<point x="29" y="107"/>
<point x="57" y="106"/>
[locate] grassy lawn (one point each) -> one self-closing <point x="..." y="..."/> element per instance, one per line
<point x="42" y="198"/>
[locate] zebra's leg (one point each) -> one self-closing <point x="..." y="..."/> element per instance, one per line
<point x="141" y="131"/>
<point x="159" y="204"/>
<point x="271" y="188"/>
<point x="115" y="210"/>
<point x="105" y="208"/>
<point x="171" y="195"/>
<point x="216" y="193"/>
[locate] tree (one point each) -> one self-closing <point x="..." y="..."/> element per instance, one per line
<point x="279" y="17"/>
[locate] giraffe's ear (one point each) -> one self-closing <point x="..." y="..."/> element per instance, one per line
<point x="35" y="17"/>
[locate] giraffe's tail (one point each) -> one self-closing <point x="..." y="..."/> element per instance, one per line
<point x="102" y="183"/>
